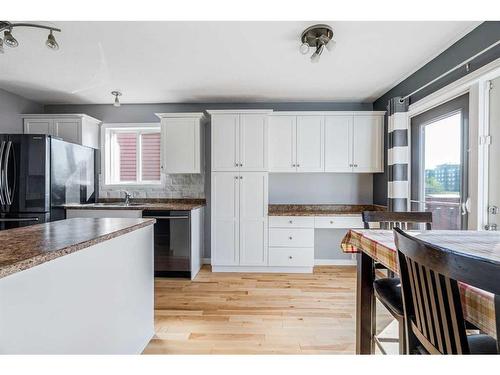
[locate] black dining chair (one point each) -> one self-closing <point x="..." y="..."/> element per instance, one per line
<point x="388" y="290"/>
<point x="431" y="297"/>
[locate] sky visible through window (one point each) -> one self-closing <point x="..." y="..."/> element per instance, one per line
<point x="442" y="142"/>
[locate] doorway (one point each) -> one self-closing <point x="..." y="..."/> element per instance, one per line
<point x="439" y="163"/>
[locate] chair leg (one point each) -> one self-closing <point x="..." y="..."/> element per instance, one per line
<point x="402" y="336"/>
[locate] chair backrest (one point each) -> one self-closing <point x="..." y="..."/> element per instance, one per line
<point x="403" y="220"/>
<point x="431" y="298"/>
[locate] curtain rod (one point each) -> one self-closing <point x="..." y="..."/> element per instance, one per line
<point x="401" y="100"/>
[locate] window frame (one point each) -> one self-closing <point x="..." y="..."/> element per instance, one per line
<point x="107" y="131"/>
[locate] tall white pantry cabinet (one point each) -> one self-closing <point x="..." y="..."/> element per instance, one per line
<point x="239" y="193"/>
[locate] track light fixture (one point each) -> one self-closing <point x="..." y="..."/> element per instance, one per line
<point x="116" y="94"/>
<point x="318" y="37"/>
<point x="10" y="41"/>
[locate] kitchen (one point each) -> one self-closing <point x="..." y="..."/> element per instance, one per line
<point x="229" y="220"/>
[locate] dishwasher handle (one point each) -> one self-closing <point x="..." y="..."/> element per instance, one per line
<point x="166" y="217"/>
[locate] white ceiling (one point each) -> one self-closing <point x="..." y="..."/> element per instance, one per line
<point x="167" y="62"/>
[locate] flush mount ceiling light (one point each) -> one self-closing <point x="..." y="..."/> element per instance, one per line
<point x="10" y="41"/>
<point x="318" y="37"/>
<point x="116" y="94"/>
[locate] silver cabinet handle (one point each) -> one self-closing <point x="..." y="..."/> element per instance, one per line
<point x="235" y="164"/>
<point x="290" y="257"/>
<point x="331" y="221"/>
<point x="235" y="177"/>
<point x="241" y="177"/>
<point x="293" y="165"/>
<point x="290" y="221"/>
<point x="298" y="165"/>
<point x="241" y="164"/>
<point x="290" y="238"/>
<point x="2" y="201"/>
<point x="355" y="165"/>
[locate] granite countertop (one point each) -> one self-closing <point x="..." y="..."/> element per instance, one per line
<point x="26" y="247"/>
<point x="141" y="204"/>
<point x="321" y="209"/>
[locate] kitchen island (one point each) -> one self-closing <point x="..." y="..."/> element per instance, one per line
<point x="77" y="286"/>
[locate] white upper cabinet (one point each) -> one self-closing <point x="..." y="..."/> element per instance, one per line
<point x="338" y="143"/>
<point x="75" y="128"/>
<point x="326" y="142"/>
<point x="239" y="140"/>
<point x="282" y="143"/>
<point x="182" y="142"/>
<point x="253" y="142"/>
<point x="310" y="152"/>
<point x="367" y="145"/>
<point x="225" y="142"/>
<point x="68" y="129"/>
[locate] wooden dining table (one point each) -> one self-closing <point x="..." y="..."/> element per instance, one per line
<point x="374" y="245"/>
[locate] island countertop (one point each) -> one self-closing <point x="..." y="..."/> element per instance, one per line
<point x="26" y="247"/>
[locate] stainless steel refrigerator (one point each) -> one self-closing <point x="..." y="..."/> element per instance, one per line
<point x="39" y="174"/>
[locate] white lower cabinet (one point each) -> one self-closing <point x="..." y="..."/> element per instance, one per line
<point x="291" y="243"/>
<point x="291" y="256"/>
<point x="239" y="220"/>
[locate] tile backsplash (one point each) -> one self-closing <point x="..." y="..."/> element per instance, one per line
<point x="173" y="186"/>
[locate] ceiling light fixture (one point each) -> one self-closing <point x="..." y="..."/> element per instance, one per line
<point x="318" y="37"/>
<point x="51" y="42"/>
<point x="12" y="42"/>
<point x="116" y="94"/>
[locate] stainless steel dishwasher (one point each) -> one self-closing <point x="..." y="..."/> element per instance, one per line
<point x="172" y="243"/>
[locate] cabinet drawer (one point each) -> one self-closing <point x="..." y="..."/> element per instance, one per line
<point x="291" y="222"/>
<point x="342" y="222"/>
<point x="291" y="237"/>
<point x="291" y="256"/>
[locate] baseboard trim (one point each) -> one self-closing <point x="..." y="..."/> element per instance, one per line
<point x="262" y="269"/>
<point x="334" y="262"/>
<point x="317" y="262"/>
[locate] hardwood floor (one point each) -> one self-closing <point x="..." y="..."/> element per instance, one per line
<point x="233" y="313"/>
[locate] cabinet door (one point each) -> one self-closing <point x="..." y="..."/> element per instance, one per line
<point x="225" y="142"/>
<point x="253" y="219"/>
<point x="253" y="142"/>
<point x="368" y="144"/>
<point x="338" y="143"/>
<point x="38" y="126"/>
<point x="67" y="129"/>
<point x="282" y="144"/>
<point x="181" y="145"/>
<point x="225" y="218"/>
<point x="310" y="152"/>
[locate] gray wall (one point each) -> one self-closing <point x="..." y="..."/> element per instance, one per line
<point x="11" y="106"/>
<point x="320" y="188"/>
<point x="477" y="40"/>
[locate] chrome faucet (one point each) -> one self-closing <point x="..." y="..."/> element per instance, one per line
<point x="127" y="197"/>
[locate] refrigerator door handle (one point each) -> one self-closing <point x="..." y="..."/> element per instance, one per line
<point x="22" y="219"/>
<point x="8" y="196"/>
<point x="2" y="147"/>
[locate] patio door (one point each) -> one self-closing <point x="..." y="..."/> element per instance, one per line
<point x="493" y="221"/>
<point x="439" y="163"/>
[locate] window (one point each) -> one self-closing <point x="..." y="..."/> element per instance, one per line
<point x="439" y="170"/>
<point x="132" y="155"/>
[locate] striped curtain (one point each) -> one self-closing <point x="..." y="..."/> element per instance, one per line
<point x="397" y="155"/>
